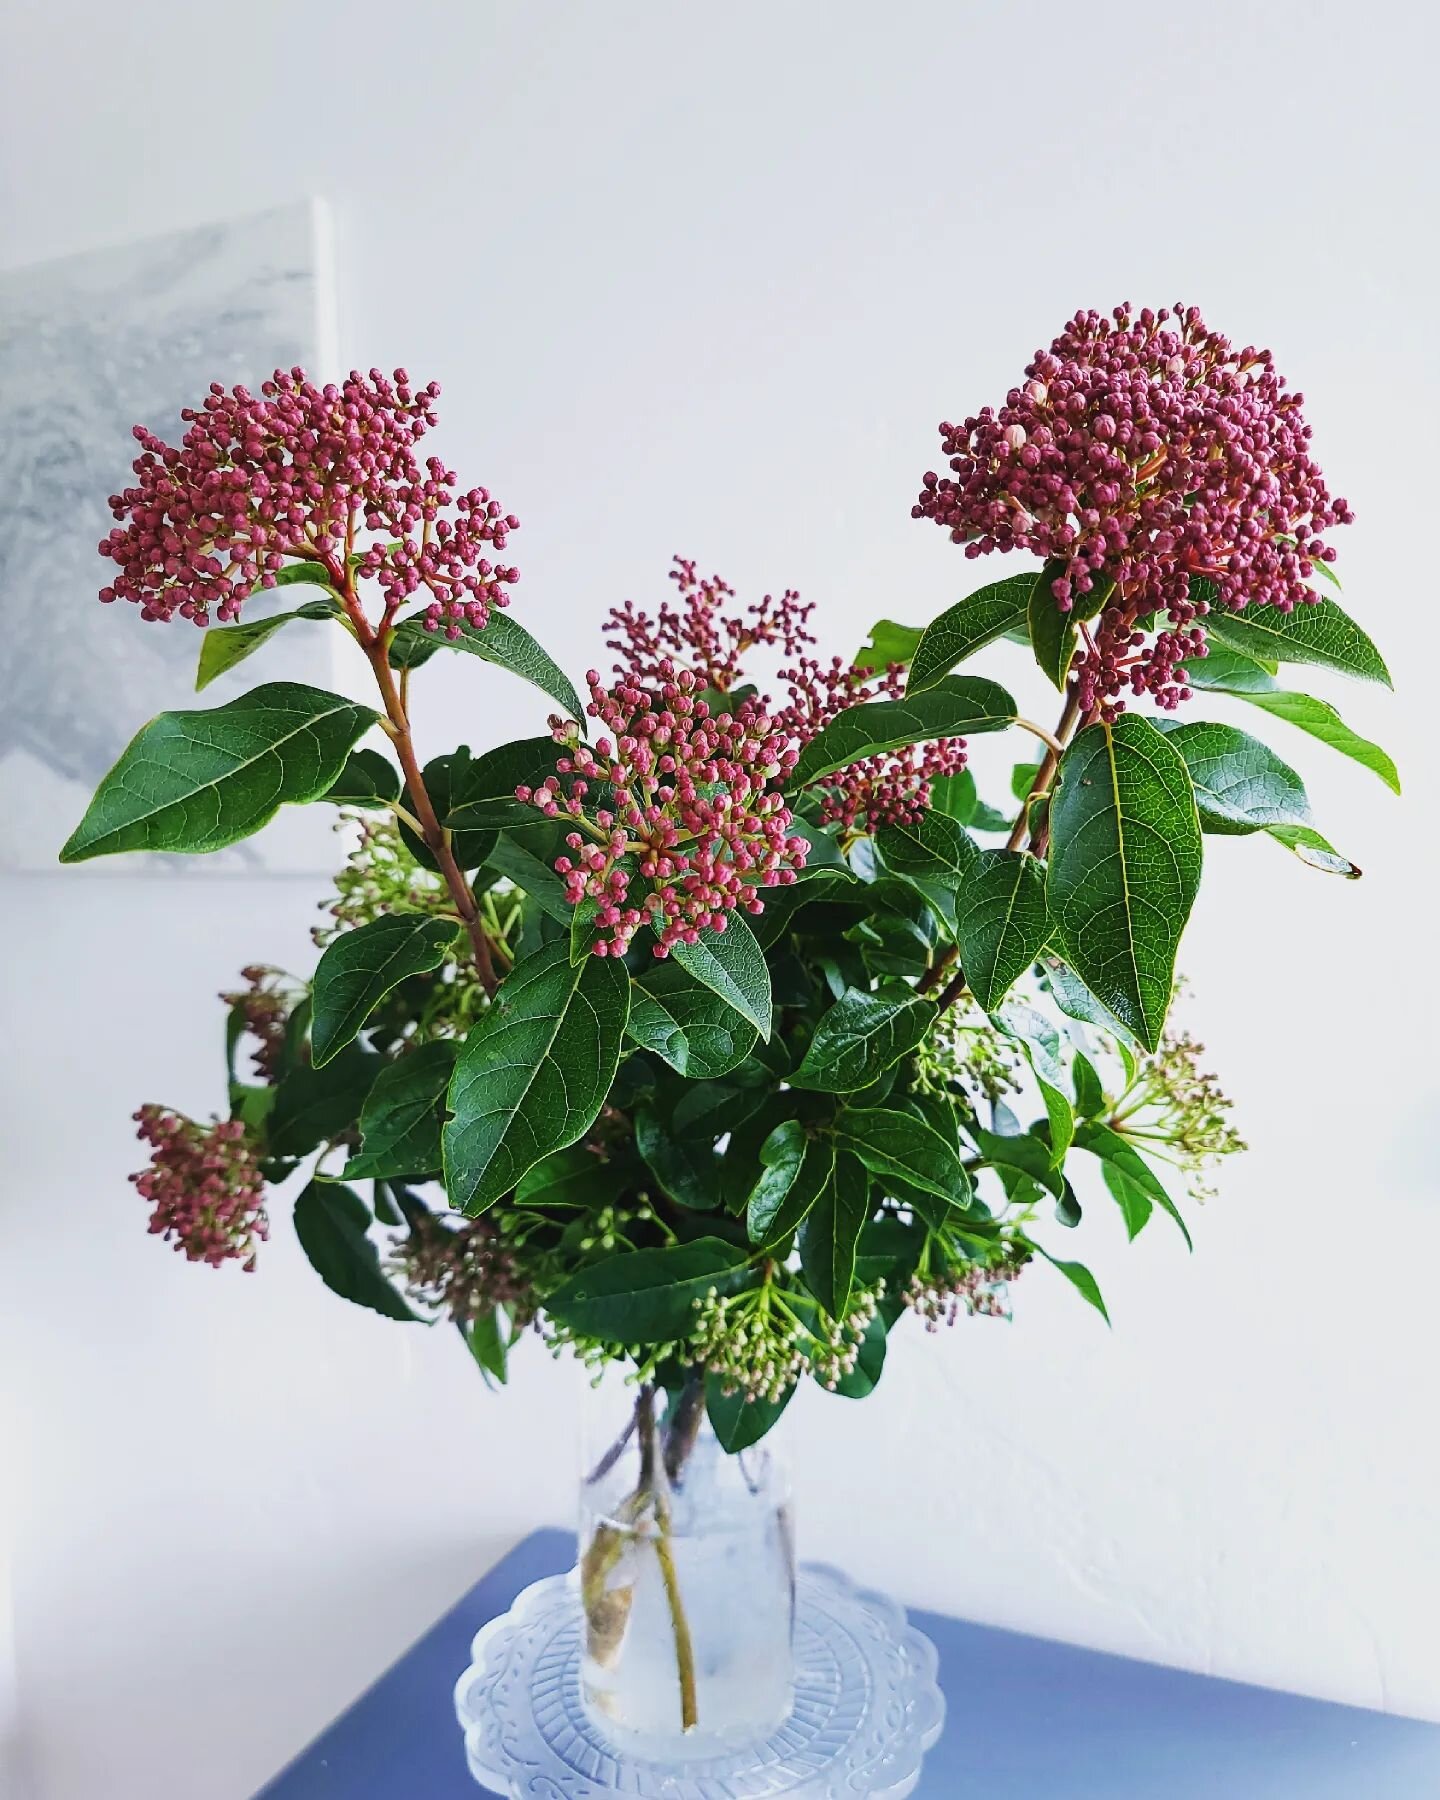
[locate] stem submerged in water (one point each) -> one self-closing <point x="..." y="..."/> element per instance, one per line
<point x="655" y="1480"/>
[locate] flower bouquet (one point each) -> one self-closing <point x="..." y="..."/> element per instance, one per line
<point x="722" y="1023"/>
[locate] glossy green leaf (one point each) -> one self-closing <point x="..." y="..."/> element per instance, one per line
<point x="197" y="781"/>
<point x="331" y="1223"/>
<point x="1225" y="671"/>
<point x="647" y="1296"/>
<point x="1125" y="857"/>
<point x="501" y="642"/>
<point x="957" y="706"/>
<point x="1079" y="1278"/>
<point x="445" y="779"/>
<point x="861" y="1381"/>
<point x="223" y="646"/>
<point x="1089" y="1092"/>
<point x="1053" y="634"/>
<point x="1318" y="632"/>
<point x="897" y="1144"/>
<point x="738" y="1422"/>
<point x="360" y="967"/>
<point x="1024" y="1154"/>
<point x="932" y="847"/>
<point x="314" y="1105"/>
<point x="1241" y="785"/>
<point x="830" y="1234"/>
<point x="526" y="859"/>
<point x="488" y="1338"/>
<point x="688" y="1024"/>
<point x="400" y="1120"/>
<point x="732" y="964"/>
<point x="368" y="779"/>
<point x="787" y="1211"/>
<point x="534" y="1072"/>
<point x="1116" y="1153"/>
<point x="1135" y="1204"/>
<point x="685" y="1165"/>
<point x="1001" y="922"/>
<point x="781" y="1156"/>
<point x="968" y="626"/>
<point x="889" y="642"/>
<point x="859" y="1037"/>
<point x="1322" y="721"/>
<point x="482" y="789"/>
<point x="1316" y="851"/>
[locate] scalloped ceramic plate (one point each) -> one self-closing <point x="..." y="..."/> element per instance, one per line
<point x="867" y="1708"/>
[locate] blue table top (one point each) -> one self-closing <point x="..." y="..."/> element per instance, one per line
<point x="1028" y="1720"/>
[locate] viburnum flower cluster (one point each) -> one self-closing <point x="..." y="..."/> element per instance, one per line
<point x="1143" y="450"/>
<point x="891" y="789"/>
<point x="680" y="799"/>
<point x="263" y="1007"/>
<point x="296" y="472"/>
<point x="204" y="1185"/>
<point x="698" y="636"/>
<point x="461" y="1272"/>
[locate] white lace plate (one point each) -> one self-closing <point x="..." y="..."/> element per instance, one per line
<point x="867" y="1708"/>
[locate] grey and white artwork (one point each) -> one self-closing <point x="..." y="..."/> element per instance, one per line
<point x="90" y="346"/>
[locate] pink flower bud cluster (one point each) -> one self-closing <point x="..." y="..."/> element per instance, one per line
<point x="698" y="636"/>
<point x="296" y="473"/>
<point x="263" y="1008"/>
<point x="682" y="802"/>
<point x="1143" y="449"/>
<point x="889" y="789"/>
<point x="204" y="1185"/>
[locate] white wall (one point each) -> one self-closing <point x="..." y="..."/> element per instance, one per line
<point x="704" y="280"/>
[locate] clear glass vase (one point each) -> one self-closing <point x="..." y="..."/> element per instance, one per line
<point x="687" y="1577"/>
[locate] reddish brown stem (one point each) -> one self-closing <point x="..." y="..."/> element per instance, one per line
<point x="437" y="839"/>
<point x="1045" y="774"/>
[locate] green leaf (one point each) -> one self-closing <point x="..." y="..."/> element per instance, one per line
<point x="1313" y="849"/>
<point x="305" y="573"/>
<point x="889" y="642"/>
<point x="222" y="646"/>
<point x="1089" y="1093"/>
<point x="781" y="1157"/>
<point x="1001" y="923"/>
<point x="526" y="860"/>
<point x="314" y="1105"/>
<point x="489" y="1343"/>
<point x="1125" y="856"/>
<point x="647" y="1296"/>
<point x="367" y="779"/>
<point x="482" y="790"/>
<point x="731" y="964"/>
<point x="685" y="1165"/>
<point x="534" y="1071"/>
<point x="445" y="778"/>
<point x="1135" y="1204"/>
<point x="1318" y="631"/>
<point x="1225" y="671"/>
<point x="955" y="796"/>
<point x="737" y="1422"/>
<point x="197" y="781"/>
<point x="1077" y="1002"/>
<point x="898" y="1145"/>
<point x="958" y="706"/>
<point x="831" y="1233"/>
<point x="864" y="1378"/>
<point x="968" y="626"/>
<point x="1115" y="1153"/>
<point x="688" y="1024"/>
<point x="572" y="1177"/>
<point x="825" y="856"/>
<point x="933" y="848"/>
<point x="1322" y="721"/>
<point x="502" y="642"/>
<point x="331" y="1221"/>
<point x="360" y="967"/>
<point x="1053" y="634"/>
<point x="400" y="1120"/>
<point x="1023" y="1153"/>
<point x="859" y="1037"/>
<point x="1079" y="1278"/>
<point x="1241" y="785"/>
